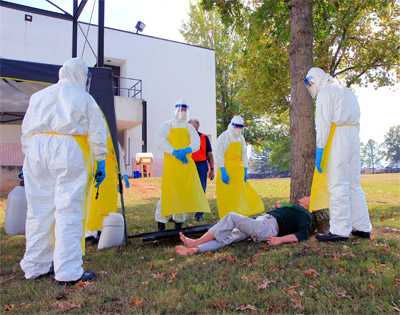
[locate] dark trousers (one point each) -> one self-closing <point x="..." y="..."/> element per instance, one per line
<point x="202" y="169"/>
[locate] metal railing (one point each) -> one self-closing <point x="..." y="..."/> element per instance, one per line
<point x="131" y="87"/>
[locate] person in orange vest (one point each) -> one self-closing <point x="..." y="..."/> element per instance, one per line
<point x="204" y="160"/>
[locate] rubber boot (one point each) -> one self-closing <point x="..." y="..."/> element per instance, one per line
<point x="161" y="226"/>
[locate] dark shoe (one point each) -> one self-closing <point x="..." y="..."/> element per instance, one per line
<point x="47" y="274"/>
<point x="198" y="216"/>
<point x="87" y="276"/>
<point x="178" y="226"/>
<point x="161" y="226"/>
<point x="329" y="237"/>
<point x="361" y="234"/>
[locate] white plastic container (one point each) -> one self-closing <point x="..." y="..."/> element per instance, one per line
<point x="113" y="231"/>
<point x="16" y="211"/>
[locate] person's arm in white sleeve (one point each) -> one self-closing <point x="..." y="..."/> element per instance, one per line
<point x="165" y="146"/>
<point x="24" y="127"/>
<point x="222" y="145"/>
<point x="194" y="138"/>
<point x="97" y="131"/>
<point x="323" y="118"/>
<point x="244" y="153"/>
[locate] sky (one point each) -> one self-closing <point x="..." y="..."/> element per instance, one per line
<point x="380" y="109"/>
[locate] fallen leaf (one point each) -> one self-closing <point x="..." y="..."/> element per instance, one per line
<point x="265" y="284"/>
<point x="66" y="306"/>
<point x="82" y="284"/>
<point x="371" y="271"/>
<point x="397" y="282"/>
<point x="172" y="276"/>
<point x="371" y="286"/>
<point x="296" y="301"/>
<point x="136" y="302"/>
<point x="159" y="275"/>
<point x="246" y="307"/>
<point x="230" y="258"/>
<point x="292" y="288"/>
<point x="249" y="278"/>
<point x="8" y="307"/>
<point x="311" y="273"/>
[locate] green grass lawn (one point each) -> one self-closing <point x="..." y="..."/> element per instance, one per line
<point x="356" y="277"/>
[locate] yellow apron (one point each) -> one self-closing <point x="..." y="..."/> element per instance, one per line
<point x="319" y="198"/>
<point x="181" y="190"/>
<point x="107" y="200"/>
<point x="83" y="143"/>
<point x="237" y="196"/>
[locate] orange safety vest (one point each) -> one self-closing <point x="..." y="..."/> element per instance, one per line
<point x="201" y="154"/>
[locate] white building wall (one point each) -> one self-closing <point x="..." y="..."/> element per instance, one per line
<point x="169" y="70"/>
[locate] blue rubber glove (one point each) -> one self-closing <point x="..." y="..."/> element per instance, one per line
<point x="100" y="174"/>
<point x="187" y="150"/>
<point x="126" y="181"/>
<point x="180" y="155"/>
<point x="224" y="175"/>
<point x="318" y="159"/>
<point x="246" y="176"/>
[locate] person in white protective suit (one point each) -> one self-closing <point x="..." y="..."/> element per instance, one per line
<point x="180" y="121"/>
<point x="347" y="204"/>
<point x="56" y="175"/>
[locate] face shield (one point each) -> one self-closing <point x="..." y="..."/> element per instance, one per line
<point x="237" y="129"/>
<point x="181" y="112"/>
<point x="311" y="86"/>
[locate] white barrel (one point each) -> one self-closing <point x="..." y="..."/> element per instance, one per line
<point x="16" y="211"/>
<point x="113" y="231"/>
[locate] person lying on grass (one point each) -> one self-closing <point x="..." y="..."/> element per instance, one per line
<point x="286" y="223"/>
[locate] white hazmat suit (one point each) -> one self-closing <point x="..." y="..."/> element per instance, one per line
<point x="338" y="104"/>
<point x="55" y="172"/>
<point x="230" y="135"/>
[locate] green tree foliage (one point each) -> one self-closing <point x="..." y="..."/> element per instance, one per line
<point x="357" y="41"/>
<point x="205" y="28"/>
<point x="392" y="145"/>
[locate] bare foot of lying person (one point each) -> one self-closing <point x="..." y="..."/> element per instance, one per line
<point x="188" y="242"/>
<point x="185" y="251"/>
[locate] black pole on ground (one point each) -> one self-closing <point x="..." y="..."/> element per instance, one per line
<point x="100" y="35"/>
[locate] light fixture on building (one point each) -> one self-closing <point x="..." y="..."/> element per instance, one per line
<point x="140" y="26"/>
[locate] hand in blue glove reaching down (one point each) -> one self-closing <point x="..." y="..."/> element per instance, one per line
<point x="180" y="155"/>
<point x="318" y="159"/>
<point x="246" y="176"/>
<point x="224" y="175"/>
<point x="100" y="174"/>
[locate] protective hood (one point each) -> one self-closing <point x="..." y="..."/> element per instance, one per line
<point x="74" y="71"/>
<point x="181" y="111"/>
<point x="236" y="126"/>
<point x="316" y="80"/>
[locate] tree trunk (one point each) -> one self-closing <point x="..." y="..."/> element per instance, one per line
<point x="302" y="128"/>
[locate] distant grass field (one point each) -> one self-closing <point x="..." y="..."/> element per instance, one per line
<point x="356" y="277"/>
